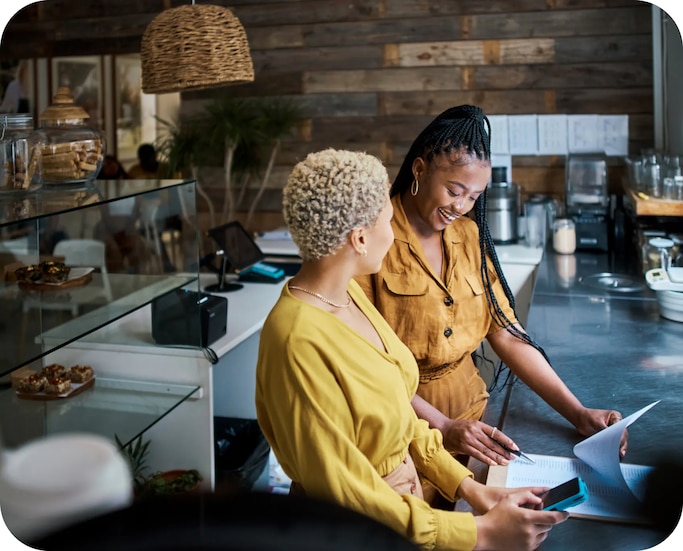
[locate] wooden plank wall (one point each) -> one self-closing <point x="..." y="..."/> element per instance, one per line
<point x="370" y="74"/>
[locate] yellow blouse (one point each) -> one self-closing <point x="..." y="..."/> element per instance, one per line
<point x="336" y="411"/>
<point x="442" y="321"/>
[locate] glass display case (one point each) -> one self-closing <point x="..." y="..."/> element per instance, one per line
<point x="118" y="246"/>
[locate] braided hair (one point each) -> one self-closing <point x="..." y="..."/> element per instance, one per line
<point x="466" y="130"/>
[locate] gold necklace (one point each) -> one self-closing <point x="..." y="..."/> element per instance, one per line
<point x="322" y="298"/>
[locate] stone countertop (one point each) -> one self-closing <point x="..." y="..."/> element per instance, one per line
<point x="613" y="350"/>
<point x="574" y="275"/>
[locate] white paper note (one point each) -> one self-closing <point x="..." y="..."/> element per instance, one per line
<point x="523" y="130"/>
<point x="614" y="488"/>
<point x="582" y="133"/>
<point x="499" y="134"/>
<point x="613" y="134"/>
<point x="601" y="451"/>
<point x="552" y="135"/>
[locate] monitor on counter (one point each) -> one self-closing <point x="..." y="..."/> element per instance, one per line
<point x="238" y="250"/>
<point x="237" y="245"/>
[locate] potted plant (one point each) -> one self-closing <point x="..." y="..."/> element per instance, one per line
<point x="243" y="135"/>
<point x="234" y="124"/>
<point x="179" y="481"/>
<point x="161" y="483"/>
<point x="183" y="149"/>
<point x="136" y="455"/>
<point x="277" y="118"/>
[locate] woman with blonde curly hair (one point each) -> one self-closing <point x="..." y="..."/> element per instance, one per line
<point x="334" y="382"/>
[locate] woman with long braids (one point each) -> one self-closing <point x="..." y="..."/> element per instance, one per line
<point x="442" y="290"/>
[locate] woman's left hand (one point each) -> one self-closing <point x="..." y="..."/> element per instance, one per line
<point x="594" y="420"/>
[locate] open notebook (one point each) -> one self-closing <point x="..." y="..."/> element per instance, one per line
<point x="615" y="489"/>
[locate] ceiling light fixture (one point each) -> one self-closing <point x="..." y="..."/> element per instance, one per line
<point x="194" y="47"/>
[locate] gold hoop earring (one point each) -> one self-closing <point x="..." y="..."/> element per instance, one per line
<point x="414" y="187"/>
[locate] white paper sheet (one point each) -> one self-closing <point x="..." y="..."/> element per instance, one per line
<point x="552" y="135"/>
<point x="614" y="488"/>
<point x="614" y="134"/>
<point x="601" y="451"/>
<point x="523" y="134"/>
<point x="582" y="133"/>
<point x="499" y="135"/>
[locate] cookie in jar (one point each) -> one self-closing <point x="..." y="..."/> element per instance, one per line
<point x="18" y="154"/>
<point x="71" y="152"/>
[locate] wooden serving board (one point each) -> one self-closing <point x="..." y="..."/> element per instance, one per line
<point x="76" y="388"/>
<point x="71" y="282"/>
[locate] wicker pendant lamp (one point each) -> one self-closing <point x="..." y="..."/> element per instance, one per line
<point x="194" y="47"/>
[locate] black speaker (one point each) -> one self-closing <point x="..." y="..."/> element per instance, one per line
<point x="184" y="317"/>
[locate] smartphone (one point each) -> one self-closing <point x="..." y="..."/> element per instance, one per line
<point x="565" y="495"/>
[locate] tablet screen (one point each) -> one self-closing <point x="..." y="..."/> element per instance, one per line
<point x="238" y="246"/>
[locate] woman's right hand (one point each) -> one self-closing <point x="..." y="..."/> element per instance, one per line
<point x="476" y="439"/>
<point x="515" y="523"/>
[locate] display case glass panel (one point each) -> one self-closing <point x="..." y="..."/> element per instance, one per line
<point x="75" y="260"/>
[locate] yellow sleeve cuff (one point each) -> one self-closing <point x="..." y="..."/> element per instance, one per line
<point x="456" y="531"/>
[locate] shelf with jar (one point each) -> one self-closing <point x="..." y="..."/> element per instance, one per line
<point x="654" y="184"/>
<point x="644" y="205"/>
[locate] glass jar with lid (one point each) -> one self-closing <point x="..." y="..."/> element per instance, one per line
<point x="71" y="152"/>
<point x="18" y="154"/>
<point x="564" y="236"/>
<point x="659" y="252"/>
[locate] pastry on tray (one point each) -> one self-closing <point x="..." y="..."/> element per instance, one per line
<point x="53" y="370"/>
<point x="28" y="274"/>
<point x="58" y="385"/>
<point x="22" y="373"/>
<point x="54" y="272"/>
<point x="32" y="383"/>
<point x="80" y="373"/>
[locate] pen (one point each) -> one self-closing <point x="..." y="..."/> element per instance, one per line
<point x="518" y="453"/>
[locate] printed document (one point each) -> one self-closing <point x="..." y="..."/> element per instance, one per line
<point x="615" y="489"/>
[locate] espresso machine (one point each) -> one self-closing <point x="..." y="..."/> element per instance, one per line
<point x="587" y="200"/>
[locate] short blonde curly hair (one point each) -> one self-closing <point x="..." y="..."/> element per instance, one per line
<point x="330" y="193"/>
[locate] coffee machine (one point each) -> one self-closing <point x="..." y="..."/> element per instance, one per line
<point x="587" y="200"/>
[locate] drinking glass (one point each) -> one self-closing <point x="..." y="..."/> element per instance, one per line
<point x="536" y="223"/>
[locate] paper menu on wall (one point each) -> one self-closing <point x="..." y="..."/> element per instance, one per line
<point x="615" y="489"/>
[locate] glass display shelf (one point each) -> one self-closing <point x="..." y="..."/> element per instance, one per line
<point x="55" y="200"/>
<point x="111" y="407"/>
<point x="125" y="243"/>
<point x="53" y="319"/>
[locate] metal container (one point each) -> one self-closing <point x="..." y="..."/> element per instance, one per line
<point x="502" y="208"/>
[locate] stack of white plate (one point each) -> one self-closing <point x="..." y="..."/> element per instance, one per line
<point x="671" y="304"/>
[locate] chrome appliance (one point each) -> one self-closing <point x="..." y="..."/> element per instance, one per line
<point x="587" y="200"/>
<point x="502" y="207"/>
